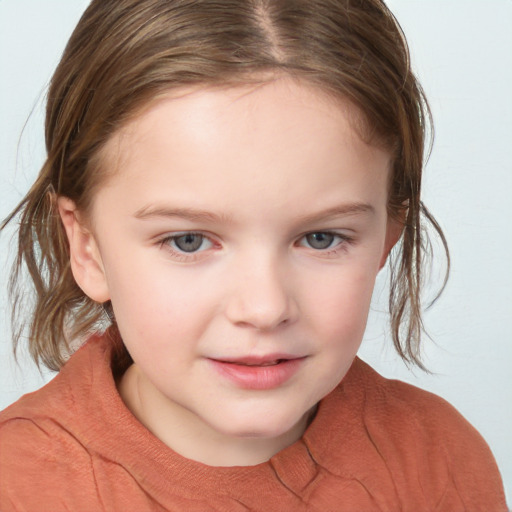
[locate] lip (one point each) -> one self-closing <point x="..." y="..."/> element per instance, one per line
<point x="258" y="373"/>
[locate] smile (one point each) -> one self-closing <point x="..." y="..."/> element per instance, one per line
<point x="258" y="373"/>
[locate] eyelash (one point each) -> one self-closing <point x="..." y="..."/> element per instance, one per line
<point x="165" y="243"/>
<point x="333" y="250"/>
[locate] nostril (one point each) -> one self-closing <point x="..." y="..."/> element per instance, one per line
<point x="262" y="302"/>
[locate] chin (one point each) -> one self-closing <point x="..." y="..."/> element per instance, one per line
<point x="263" y="426"/>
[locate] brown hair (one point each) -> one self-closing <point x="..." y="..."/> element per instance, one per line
<point x="124" y="53"/>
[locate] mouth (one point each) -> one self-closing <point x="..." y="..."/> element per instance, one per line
<point x="259" y="361"/>
<point x="258" y="373"/>
<point x="269" y="363"/>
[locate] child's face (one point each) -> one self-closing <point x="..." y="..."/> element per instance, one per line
<point x="243" y="225"/>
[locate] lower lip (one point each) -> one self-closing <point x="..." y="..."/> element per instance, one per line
<point x="258" y="377"/>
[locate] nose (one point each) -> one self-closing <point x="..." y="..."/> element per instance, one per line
<point x="262" y="296"/>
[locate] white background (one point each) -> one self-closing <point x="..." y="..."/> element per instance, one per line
<point x="462" y="52"/>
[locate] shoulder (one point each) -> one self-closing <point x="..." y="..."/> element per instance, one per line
<point x="420" y="431"/>
<point x="40" y="449"/>
<point x="414" y="412"/>
<point x="37" y="455"/>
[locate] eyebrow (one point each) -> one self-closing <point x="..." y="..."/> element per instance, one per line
<point x="183" y="213"/>
<point x="339" y="211"/>
<point x="192" y="214"/>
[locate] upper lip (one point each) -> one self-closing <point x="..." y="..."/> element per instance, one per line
<point x="257" y="360"/>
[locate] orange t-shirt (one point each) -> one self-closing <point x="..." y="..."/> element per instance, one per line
<point x="374" y="445"/>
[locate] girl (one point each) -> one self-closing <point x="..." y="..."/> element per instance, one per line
<point x="224" y="182"/>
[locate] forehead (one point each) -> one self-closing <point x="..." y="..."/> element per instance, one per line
<point x="279" y="95"/>
<point x="233" y="138"/>
<point x="195" y="108"/>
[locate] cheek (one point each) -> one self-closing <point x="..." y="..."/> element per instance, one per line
<point x="341" y="306"/>
<point x="155" y="303"/>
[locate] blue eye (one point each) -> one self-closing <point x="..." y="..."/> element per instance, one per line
<point x="321" y="240"/>
<point x="188" y="242"/>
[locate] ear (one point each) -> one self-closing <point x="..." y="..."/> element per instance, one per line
<point x="394" y="230"/>
<point x="85" y="257"/>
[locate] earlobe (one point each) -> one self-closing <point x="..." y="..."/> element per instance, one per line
<point x="85" y="257"/>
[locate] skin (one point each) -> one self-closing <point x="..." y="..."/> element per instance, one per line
<point x="256" y="171"/>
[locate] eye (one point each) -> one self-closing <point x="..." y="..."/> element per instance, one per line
<point x="321" y="240"/>
<point x="188" y="242"/>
